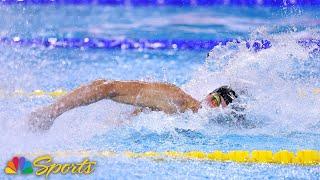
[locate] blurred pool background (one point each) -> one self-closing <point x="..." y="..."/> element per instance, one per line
<point x="283" y="108"/>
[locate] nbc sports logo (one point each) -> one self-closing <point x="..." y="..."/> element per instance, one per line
<point x="17" y="164"/>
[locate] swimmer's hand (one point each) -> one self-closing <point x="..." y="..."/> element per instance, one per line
<point x="41" y="119"/>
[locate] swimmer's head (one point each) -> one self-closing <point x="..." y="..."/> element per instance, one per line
<point x="223" y="96"/>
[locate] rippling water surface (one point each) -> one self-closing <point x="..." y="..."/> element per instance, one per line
<point x="280" y="84"/>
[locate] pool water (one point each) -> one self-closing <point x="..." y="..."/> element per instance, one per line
<point x="282" y="104"/>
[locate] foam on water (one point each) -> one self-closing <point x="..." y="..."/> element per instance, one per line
<point x="278" y="81"/>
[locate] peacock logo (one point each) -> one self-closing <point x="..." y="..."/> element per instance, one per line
<point x="18" y="163"/>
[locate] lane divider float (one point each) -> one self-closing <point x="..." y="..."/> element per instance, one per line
<point x="104" y="43"/>
<point x="35" y="93"/>
<point x="301" y="157"/>
<point x="178" y="44"/>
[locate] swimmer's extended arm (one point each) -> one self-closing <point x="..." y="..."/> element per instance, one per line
<point x="43" y="118"/>
<point x="156" y="96"/>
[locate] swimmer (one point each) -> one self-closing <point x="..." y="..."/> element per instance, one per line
<point x="154" y="96"/>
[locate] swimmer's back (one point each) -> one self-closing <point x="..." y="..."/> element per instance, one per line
<point x="158" y="96"/>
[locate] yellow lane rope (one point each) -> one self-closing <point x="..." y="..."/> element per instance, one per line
<point x="61" y="92"/>
<point x="301" y="157"/>
<point x="35" y="93"/>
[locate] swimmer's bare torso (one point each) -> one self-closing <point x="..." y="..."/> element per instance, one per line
<point x="156" y="96"/>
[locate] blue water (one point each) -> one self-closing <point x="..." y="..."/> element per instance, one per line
<point x="282" y="110"/>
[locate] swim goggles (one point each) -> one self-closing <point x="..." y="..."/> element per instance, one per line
<point x="216" y="98"/>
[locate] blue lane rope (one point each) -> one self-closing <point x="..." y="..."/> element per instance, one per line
<point x="172" y="2"/>
<point x="101" y="43"/>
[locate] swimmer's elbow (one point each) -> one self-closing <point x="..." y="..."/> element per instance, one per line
<point x="110" y="89"/>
